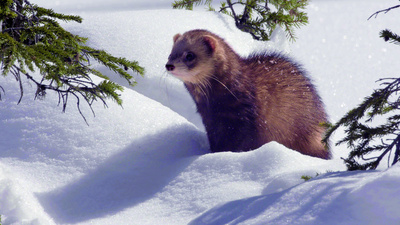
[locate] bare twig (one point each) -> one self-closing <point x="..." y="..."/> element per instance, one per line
<point x="396" y="153"/>
<point x="74" y="86"/>
<point x="233" y="11"/>
<point x="384" y="10"/>
<point x="230" y="5"/>
<point x="2" y="90"/>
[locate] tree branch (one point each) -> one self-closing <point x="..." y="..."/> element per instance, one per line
<point x="397" y="152"/>
<point x="63" y="60"/>
<point x="388" y="149"/>
<point x="80" y="88"/>
<point x="233" y="12"/>
<point x="266" y="5"/>
<point x="246" y="12"/>
<point x="230" y="6"/>
<point x="384" y="10"/>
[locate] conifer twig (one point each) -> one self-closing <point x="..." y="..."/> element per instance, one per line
<point x="257" y="18"/>
<point x="384" y="10"/>
<point x="359" y="135"/>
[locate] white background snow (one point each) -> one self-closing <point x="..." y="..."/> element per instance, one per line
<point x="148" y="162"/>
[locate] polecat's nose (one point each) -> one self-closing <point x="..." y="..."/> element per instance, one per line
<point x="170" y="67"/>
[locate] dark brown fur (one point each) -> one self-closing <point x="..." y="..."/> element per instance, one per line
<point x="247" y="102"/>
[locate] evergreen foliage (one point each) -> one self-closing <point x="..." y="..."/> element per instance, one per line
<point x="259" y="17"/>
<point x="364" y="138"/>
<point x="306" y="177"/>
<point x="31" y="39"/>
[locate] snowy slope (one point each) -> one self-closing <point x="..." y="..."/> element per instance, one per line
<point x="148" y="162"/>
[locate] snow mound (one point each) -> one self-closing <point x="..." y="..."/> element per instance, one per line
<point x="333" y="198"/>
<point x="146" y="36"/>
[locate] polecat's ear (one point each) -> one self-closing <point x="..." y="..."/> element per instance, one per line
<point x="211" y="42"/>
<point x="176" y="36"/>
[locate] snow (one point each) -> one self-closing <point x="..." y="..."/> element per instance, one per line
<point x="148" y="162"/>
<point x="334" y="198"/>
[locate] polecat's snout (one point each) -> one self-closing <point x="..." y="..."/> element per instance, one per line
<point x="169" y="67"/>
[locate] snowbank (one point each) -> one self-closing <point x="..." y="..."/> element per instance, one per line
<point x="333" y="198"/>
<point x="148" y="162"/>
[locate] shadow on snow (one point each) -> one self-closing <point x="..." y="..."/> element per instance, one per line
<point x="297" y="205"/>
<point x="128" y="178"/>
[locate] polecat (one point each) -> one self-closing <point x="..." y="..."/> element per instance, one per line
<point x="247" y="102"/>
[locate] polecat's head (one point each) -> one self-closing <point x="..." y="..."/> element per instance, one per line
<point x="192" y="56"/>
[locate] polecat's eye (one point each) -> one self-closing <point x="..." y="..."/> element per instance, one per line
<point x="190" y="56"/>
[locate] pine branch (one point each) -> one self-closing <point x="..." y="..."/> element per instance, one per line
<point x="257" y="18"/>
<point x="230" y="5"/>
<point x="32" y="39"/>
<point x="359" y="135"/>
<point x="188" y="4"/>
<point x="388" y="35"/>
<point x="50" y="13"/>
<point x="246" y="12"/>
